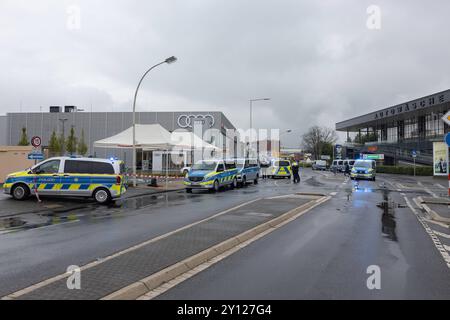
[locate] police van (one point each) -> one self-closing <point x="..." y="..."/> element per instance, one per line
<point x="211" y="175"/>
<point x="280" y="168"/>
<point x="248" y="171"/>
<point x="101" y="179"/>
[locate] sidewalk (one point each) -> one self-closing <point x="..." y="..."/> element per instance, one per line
<point x="100" y="279"/>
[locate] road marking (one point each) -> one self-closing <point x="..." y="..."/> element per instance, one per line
<point x="427" y="190"/>
<point x="447" y="247"/>
<point x="440" y="234"/>
<point x="333" y="193"/>
<point x="97" y="262"/>
<point x="437" y="243"/>
<point x="438" y="185"/>
<point x="437" y="223"/>
<point x="183" y="277"/>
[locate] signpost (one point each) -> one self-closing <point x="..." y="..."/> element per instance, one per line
<point x="447" y="141"/>
<point x="446" y="118"/>
<point x="36" y="154"/>
<point x="414" y="156"/>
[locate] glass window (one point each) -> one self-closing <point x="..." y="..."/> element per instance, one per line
<point x="204" y="165"/>
<point x="101" y="167"/>
<point x="283" y="163"/>
<point x="220" y="167"/>
<point x="51" y="166"/>
<point x="230" y="165"/>
<point x="88" y="167"/>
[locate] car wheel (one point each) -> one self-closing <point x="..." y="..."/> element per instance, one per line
<point x="256" y="179"/>
<point x="20" y="192"/>
<point x="102" y="196"/>
<point x="216" y="186"/>
<point x="188" y="190"/>
<point x="373" y="179"/>
<point x="234" y="184"/>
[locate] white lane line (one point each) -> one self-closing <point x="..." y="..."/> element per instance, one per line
<point x="443" y="225"/>
<point x="333" y="193"/>
<point x="447" y="247"/>
<point x="440" y="234"/>
<point x="427" y="190"/>
<point x="436" y="241"/>
<point x="440" y="186"/>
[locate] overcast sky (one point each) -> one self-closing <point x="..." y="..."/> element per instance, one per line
<point x="317" y="60"/>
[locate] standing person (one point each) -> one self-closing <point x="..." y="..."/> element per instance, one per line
<point x="295" y="172"/>
<point x="347" y="169"/>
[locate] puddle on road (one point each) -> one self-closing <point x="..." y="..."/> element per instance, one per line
<point x="388" y="223"/>
<point x="33" y="221"/>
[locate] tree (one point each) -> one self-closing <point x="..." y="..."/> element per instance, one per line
<point x="71" y="142"/>
<point x="82" y="147"/>
<point x="24" y="138"/>
<point x="318" y="140"/>
<point x="54" y="146"/>
<point x="363" y="138"/>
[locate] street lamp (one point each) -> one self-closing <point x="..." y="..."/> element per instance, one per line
<point x="251" y="120"/>
<point x="168" y="61"/>
<point x="279" y="145"/>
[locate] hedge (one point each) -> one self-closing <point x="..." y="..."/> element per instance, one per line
<point x="407" y="170"/>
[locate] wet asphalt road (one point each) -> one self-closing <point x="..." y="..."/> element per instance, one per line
<point x="323" y="254"/>
<point x="46" y="245"/>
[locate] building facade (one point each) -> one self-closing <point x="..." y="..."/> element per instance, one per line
<point x="399" y="130"/>
<point x="100" y="125"/>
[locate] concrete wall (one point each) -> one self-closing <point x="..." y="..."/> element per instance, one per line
<point x="12" y="159"/>
<point x="3" y="130"/>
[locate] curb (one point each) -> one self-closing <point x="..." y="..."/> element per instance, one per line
<point x="433" y="214"/>
<point x="139" y="288"/>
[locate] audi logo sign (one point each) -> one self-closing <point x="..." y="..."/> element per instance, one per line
<point x="187" y="121"/>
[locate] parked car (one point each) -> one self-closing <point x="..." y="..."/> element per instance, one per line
<point x="319" y="165"/>
<point x="101" y="179"/>
<point x="211" y="175"/>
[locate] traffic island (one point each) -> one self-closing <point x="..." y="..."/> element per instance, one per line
<point x="131" y="273"/>
<point x="437" y="208"/>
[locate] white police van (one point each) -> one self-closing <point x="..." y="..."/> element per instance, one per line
<point x="248" y="171"/>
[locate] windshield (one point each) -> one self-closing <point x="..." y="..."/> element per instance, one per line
<point x="363" y="164"/>
<point x="204" y="165"/>
<point x="282" y="164"/>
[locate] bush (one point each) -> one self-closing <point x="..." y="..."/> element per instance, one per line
<point x="407" y="170"/>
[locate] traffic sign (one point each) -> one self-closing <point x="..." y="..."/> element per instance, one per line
<point x="36" y="141"/>
<point x="35" y="156"/>
<point x="373" y="156"/>
<point x="414" y="153"/>
<point x="446" y="118"/>
<point x="447" y="139"/>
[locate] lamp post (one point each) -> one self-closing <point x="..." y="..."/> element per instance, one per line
<point x="286" y="132"/>
<point x="251" y="122"/>
<point x="168" y="61"/>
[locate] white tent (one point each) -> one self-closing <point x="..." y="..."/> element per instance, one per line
<point x="148" y="136"/>
<point x="184" y="140"/>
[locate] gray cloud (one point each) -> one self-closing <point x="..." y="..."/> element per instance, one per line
<point x="315" y="59"/>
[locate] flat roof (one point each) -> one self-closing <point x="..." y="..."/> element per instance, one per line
<point x="396" y="112"/>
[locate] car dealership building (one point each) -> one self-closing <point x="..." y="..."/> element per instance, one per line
<point x="398" y="132"/>
<point x="101" y="125"/>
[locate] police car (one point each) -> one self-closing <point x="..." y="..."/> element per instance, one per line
<point x="211" y="175"/>
<point x="248" y="171"/>
<point x="364" y="169"/>
<point x="279" y="169"/>
<point x="101" y="179"/>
